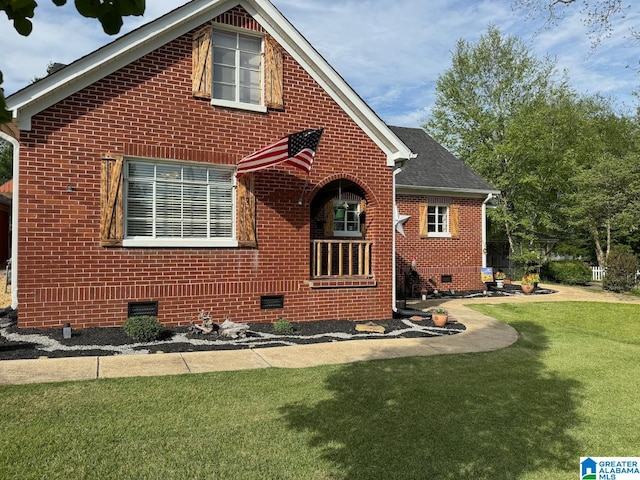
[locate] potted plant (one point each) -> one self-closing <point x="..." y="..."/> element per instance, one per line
<point x="529" y="282"/>
<point x="440" y="317"/>
<point x="499" y="278"/>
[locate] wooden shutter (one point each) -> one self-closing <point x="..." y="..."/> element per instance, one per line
<point x="454" y="221"/>
<point x="273" y="74"/>
<point x="111" y="219"/>
<point x="328" y="219"/>
<point x="424" y="208"/>
<point x="363" y="217"/>
<point x="201" y="60"/>
<point x="246" y="211"/>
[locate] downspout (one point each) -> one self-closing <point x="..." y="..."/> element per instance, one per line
<point x="394" y="308"/>
<point x="484" y="229"/>
<point x="14" y="220"/>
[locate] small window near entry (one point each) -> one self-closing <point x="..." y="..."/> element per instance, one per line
<point x="346" y="219"/>
<point x="438" y="220"/>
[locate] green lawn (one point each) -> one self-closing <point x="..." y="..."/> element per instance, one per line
<point x="568" y="388"/>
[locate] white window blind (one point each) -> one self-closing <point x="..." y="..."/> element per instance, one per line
<point x="178" y="201"/>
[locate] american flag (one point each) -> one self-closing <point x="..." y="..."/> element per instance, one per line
<point x="297" y="149"/>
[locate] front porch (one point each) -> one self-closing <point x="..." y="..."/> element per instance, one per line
<point x="341" y="258"/>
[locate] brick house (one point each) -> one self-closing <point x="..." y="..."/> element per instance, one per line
<point x="126" y="197"/>
<point x="442" y="204"/>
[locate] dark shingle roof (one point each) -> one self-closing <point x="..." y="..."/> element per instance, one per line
<point x="435" y="167"/>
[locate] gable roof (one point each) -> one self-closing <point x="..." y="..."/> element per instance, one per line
<point x="436" y="170"/>
<point x="33" y="99"/>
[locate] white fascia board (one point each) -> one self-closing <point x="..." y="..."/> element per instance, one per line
<point x="113" y="56"/>
<point x="303" y="52"/>
<point x="444" y="191"/>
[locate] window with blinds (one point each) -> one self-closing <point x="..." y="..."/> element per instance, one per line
<point x="165" y="202"/>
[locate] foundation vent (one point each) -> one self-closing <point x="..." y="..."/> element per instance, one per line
<point x="268" y="302"/>
<point x="138" y="309"/>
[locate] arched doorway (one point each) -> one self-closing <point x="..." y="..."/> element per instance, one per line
<point x="339" y="244"/>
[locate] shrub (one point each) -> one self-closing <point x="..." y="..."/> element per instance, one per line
<point x="143" y="328"/>
<point x="622" y="266"/>
<point x="282" y="326"/>
<point x="570" y="272"/>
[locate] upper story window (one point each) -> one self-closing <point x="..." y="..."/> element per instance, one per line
<point x="237" y="74"/>
<point x="346" y="219"/>
<point x="235" y="69"/>
<point x="178" y="204"/>
<point x="438" y="220"/>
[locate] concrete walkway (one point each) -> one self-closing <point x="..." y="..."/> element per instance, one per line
<point x="483" y="333"/>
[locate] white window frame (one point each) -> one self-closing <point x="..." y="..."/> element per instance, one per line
<point x="356" y="209"/>
<point x="180" y="241"/>
<point x="256" y="107"/>
<point x="441" y="228"/>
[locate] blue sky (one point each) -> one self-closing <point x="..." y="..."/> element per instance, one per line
<point x="390" y="52"/>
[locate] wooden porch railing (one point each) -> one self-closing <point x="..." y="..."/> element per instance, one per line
<point x="340" y="258"/>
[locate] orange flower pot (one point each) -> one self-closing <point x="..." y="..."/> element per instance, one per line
<point x="440" y="319"/>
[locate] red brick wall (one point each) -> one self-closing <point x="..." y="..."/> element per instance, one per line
<point x="147" y="109"/>
<point x="459" y="257"/>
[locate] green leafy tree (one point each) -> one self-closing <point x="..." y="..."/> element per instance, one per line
<point x="108" y="12"/>
<point x="602" y="200"/>
<point x="6" y="161"/>
<point x="606" y="201"/>
<point x="487" y="106"/>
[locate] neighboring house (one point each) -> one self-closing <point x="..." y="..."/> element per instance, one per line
<point x="126" y="199"/>
<point x="442" y="204"/>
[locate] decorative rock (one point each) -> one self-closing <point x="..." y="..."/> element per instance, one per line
<point x="416" y="318"/>
<point x="369" y="327"/>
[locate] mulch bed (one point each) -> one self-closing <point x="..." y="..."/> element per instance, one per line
<point x="18" y="343"/>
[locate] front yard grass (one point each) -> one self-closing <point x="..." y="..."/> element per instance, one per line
<point x="568" y="388"/>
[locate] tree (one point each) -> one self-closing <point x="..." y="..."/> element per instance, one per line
<point x="485" y="109"/>
<point x="598" y="15"/>
<point x="108" y="12"/>
<point x="6" y="161"/>
<point x="605" y="202"/>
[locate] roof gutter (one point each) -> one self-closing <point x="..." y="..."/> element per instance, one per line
<point x="457" y="192"/>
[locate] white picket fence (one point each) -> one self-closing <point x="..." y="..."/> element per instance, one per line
<point x="597" y="274"/>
